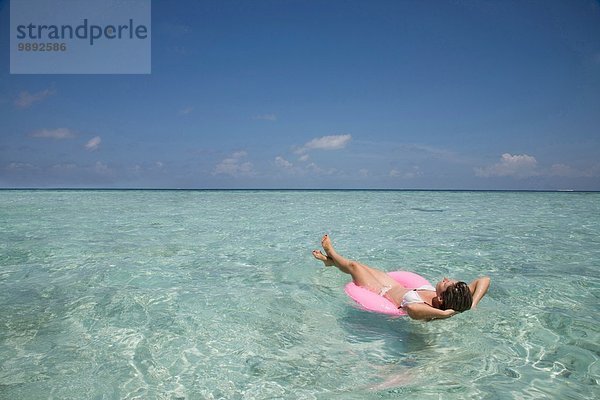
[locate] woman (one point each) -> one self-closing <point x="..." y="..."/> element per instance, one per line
<point x="427" y="302"/>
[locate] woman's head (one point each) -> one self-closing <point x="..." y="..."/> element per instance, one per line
<point x="454" y="294"/>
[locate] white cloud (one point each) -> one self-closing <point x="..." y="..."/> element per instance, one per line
<point x="283" y="163"/>
<point x="26" y="99"/>
<point x="239" y="154"/>
<point x="102" y="169"/>
<point x="523" y="166"/>
<point x="315" y="169"/>
<point x="410" y="174"/>
<point x="518" y="166"/>
<point x="59" y="133"/>
<point x="93" y="143"/>
<point x="138" y="169"/>
<point x="64" y="167"/>
<point x="331" y="142"/>
<point x="421" y="151"/>
<point x="566" y="171"/>
<point x="265" y="117"/>
<point x="186" y="110"/>
<point x="19" y="166"/>
<point x="303" y="169"/>
<point x="235" y="166"/>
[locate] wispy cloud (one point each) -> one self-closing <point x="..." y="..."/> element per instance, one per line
<point x="412" y="173"/>
<point x="265" y="117"/>
<point x="524" y="166"/>
<point x="317" y="170"/>
<point x="330" y="142"/>
<point x="102" y="169"/>
<point x="58" y="134"/>
<point x="235" y="165"/>
<point x="423" y="151"/>
<point x="26" y="99"/>
<point x="567" y="171"/>
<point x="20" y="166"/>
<point x="283" y="163"/>
<point x="517" y="166"/>
<point x="93" y="143"/>
<point x="564" y="171"/>
<point x="303" y="169"/>
<point x="185" y="110"/>
<point x="64" y="167"/>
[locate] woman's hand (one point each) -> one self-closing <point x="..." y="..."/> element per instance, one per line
<point x="449" y="312"/>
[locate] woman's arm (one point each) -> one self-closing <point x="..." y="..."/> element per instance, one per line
<point x="424" y="311"/>
<point x="479" y="288"/>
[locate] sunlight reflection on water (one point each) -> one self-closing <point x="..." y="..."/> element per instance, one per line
<point x="184" y="294"/>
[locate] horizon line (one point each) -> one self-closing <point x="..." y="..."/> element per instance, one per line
<point x="292" y="189"/>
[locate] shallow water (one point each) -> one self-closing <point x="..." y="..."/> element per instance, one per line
<point x="214" y="294"/>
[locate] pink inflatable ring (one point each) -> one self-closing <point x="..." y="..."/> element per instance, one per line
<point x="370" y="301"/>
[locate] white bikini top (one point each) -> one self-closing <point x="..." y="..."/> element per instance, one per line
<point x="412" y="296"/>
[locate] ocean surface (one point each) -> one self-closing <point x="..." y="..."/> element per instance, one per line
<point x="215" y="295"/>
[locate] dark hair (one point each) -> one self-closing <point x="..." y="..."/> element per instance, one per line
<point x="457" y="297"/>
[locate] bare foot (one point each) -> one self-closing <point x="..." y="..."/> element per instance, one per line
<point x="326" y="243"/>
<point x="322" y="257"/>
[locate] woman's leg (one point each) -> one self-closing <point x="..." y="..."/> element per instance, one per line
<point x="362" y="275"/>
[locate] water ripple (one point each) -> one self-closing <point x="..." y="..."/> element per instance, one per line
<point x="215" y="295"/>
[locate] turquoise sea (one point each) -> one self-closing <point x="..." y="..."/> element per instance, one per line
<point x="215" y="295"/>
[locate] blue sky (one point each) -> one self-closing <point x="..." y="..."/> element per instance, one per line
<point x="323" y="94"/>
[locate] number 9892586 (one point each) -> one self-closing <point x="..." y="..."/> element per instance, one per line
<point x="26" y="46"/>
